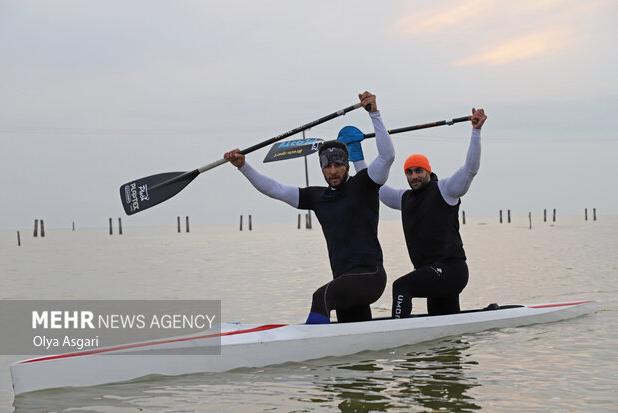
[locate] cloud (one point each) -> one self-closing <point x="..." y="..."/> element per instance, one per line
<point x="540" y="43"/>
<point x="505" y="31"/>
<point x="492" y="14"/>
<point x="438" y="19"/>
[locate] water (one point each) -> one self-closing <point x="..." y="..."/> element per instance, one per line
<point x="268" y="275"/>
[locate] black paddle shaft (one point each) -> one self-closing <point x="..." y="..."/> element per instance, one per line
<point x="424" y="126"/>
<point x="147" y="192"/>
<point x="300" y="129"/>
<point x="281" y="151"/>
<point x="260" y="145"/>
<point x="193" y="174"/>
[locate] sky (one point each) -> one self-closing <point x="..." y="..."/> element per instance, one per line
<point x="95" y="94"/>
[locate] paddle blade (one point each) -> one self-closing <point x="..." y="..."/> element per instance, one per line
<point x="147" y="192"/>
<point x="350" y="134"/>
<point x="293" y="149"/>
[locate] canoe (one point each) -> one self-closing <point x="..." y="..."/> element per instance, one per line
<point x="255" y="345"/>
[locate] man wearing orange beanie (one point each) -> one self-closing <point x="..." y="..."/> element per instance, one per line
<point x="430" y="215"/>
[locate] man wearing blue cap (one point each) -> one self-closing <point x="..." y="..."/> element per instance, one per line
<point x="347" y="210"/>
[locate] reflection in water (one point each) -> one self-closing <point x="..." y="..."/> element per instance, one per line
<point x="432" y="378"/>
<point x="108" y="398"/>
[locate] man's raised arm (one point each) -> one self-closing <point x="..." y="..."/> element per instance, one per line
<point x="264" y="184"/>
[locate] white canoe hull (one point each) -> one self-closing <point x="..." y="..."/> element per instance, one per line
<point x="245" y="345"/>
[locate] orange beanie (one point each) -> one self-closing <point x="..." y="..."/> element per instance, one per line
<point x="417" y="160"/>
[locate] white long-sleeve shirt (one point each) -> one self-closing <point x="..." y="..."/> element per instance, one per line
<point x="451" y="188"/>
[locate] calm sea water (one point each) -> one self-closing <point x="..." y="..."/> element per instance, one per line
<point x="269" y="274"/>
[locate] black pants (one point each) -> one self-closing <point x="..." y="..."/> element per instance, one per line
<point x="440" y="283"/>
<point x="350" y="294"/>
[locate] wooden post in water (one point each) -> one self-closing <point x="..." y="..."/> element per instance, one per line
<point x="298" y="221"/>
<point x="111" y="230"/>
<point x="119" y="226"/>
<point x="36" y="228"/>
<point x="545" y="215"/>
<point x="187" y="224"/>
<point x="530" y="219"/>
<point x="508" y="216"/>
<point x="250" y="227"/>
<point x="554" y="217"/>
<point x="463" y="217"/>
<point x="42" y="229"/>
<point x="586" y="214"/>
<point x="241" y="222"/>
<point x="178" y="222"/>
<point x="501" y="216"/>
<point x="73" y="226"/>
<point x="594" y="214"/>
<point x="18" y="239"/>
<point x="308" y="217"/>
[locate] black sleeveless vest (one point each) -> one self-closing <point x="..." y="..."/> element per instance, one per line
<point x="431" y="226"/>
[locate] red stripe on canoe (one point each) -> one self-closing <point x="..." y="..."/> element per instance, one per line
<point x="152" y="343"/>
<point x="560" y="304"/>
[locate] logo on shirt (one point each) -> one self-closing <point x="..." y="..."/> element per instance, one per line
<point x="437" y="270"/>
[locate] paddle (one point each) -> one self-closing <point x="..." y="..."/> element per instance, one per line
<point x="147" y="192"/>
<point x="304" y="147"/>
<point x="293" y="149"/>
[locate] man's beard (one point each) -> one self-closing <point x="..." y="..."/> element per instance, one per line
<point x="423" y="185"/>
<point x="343" y="179"/>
